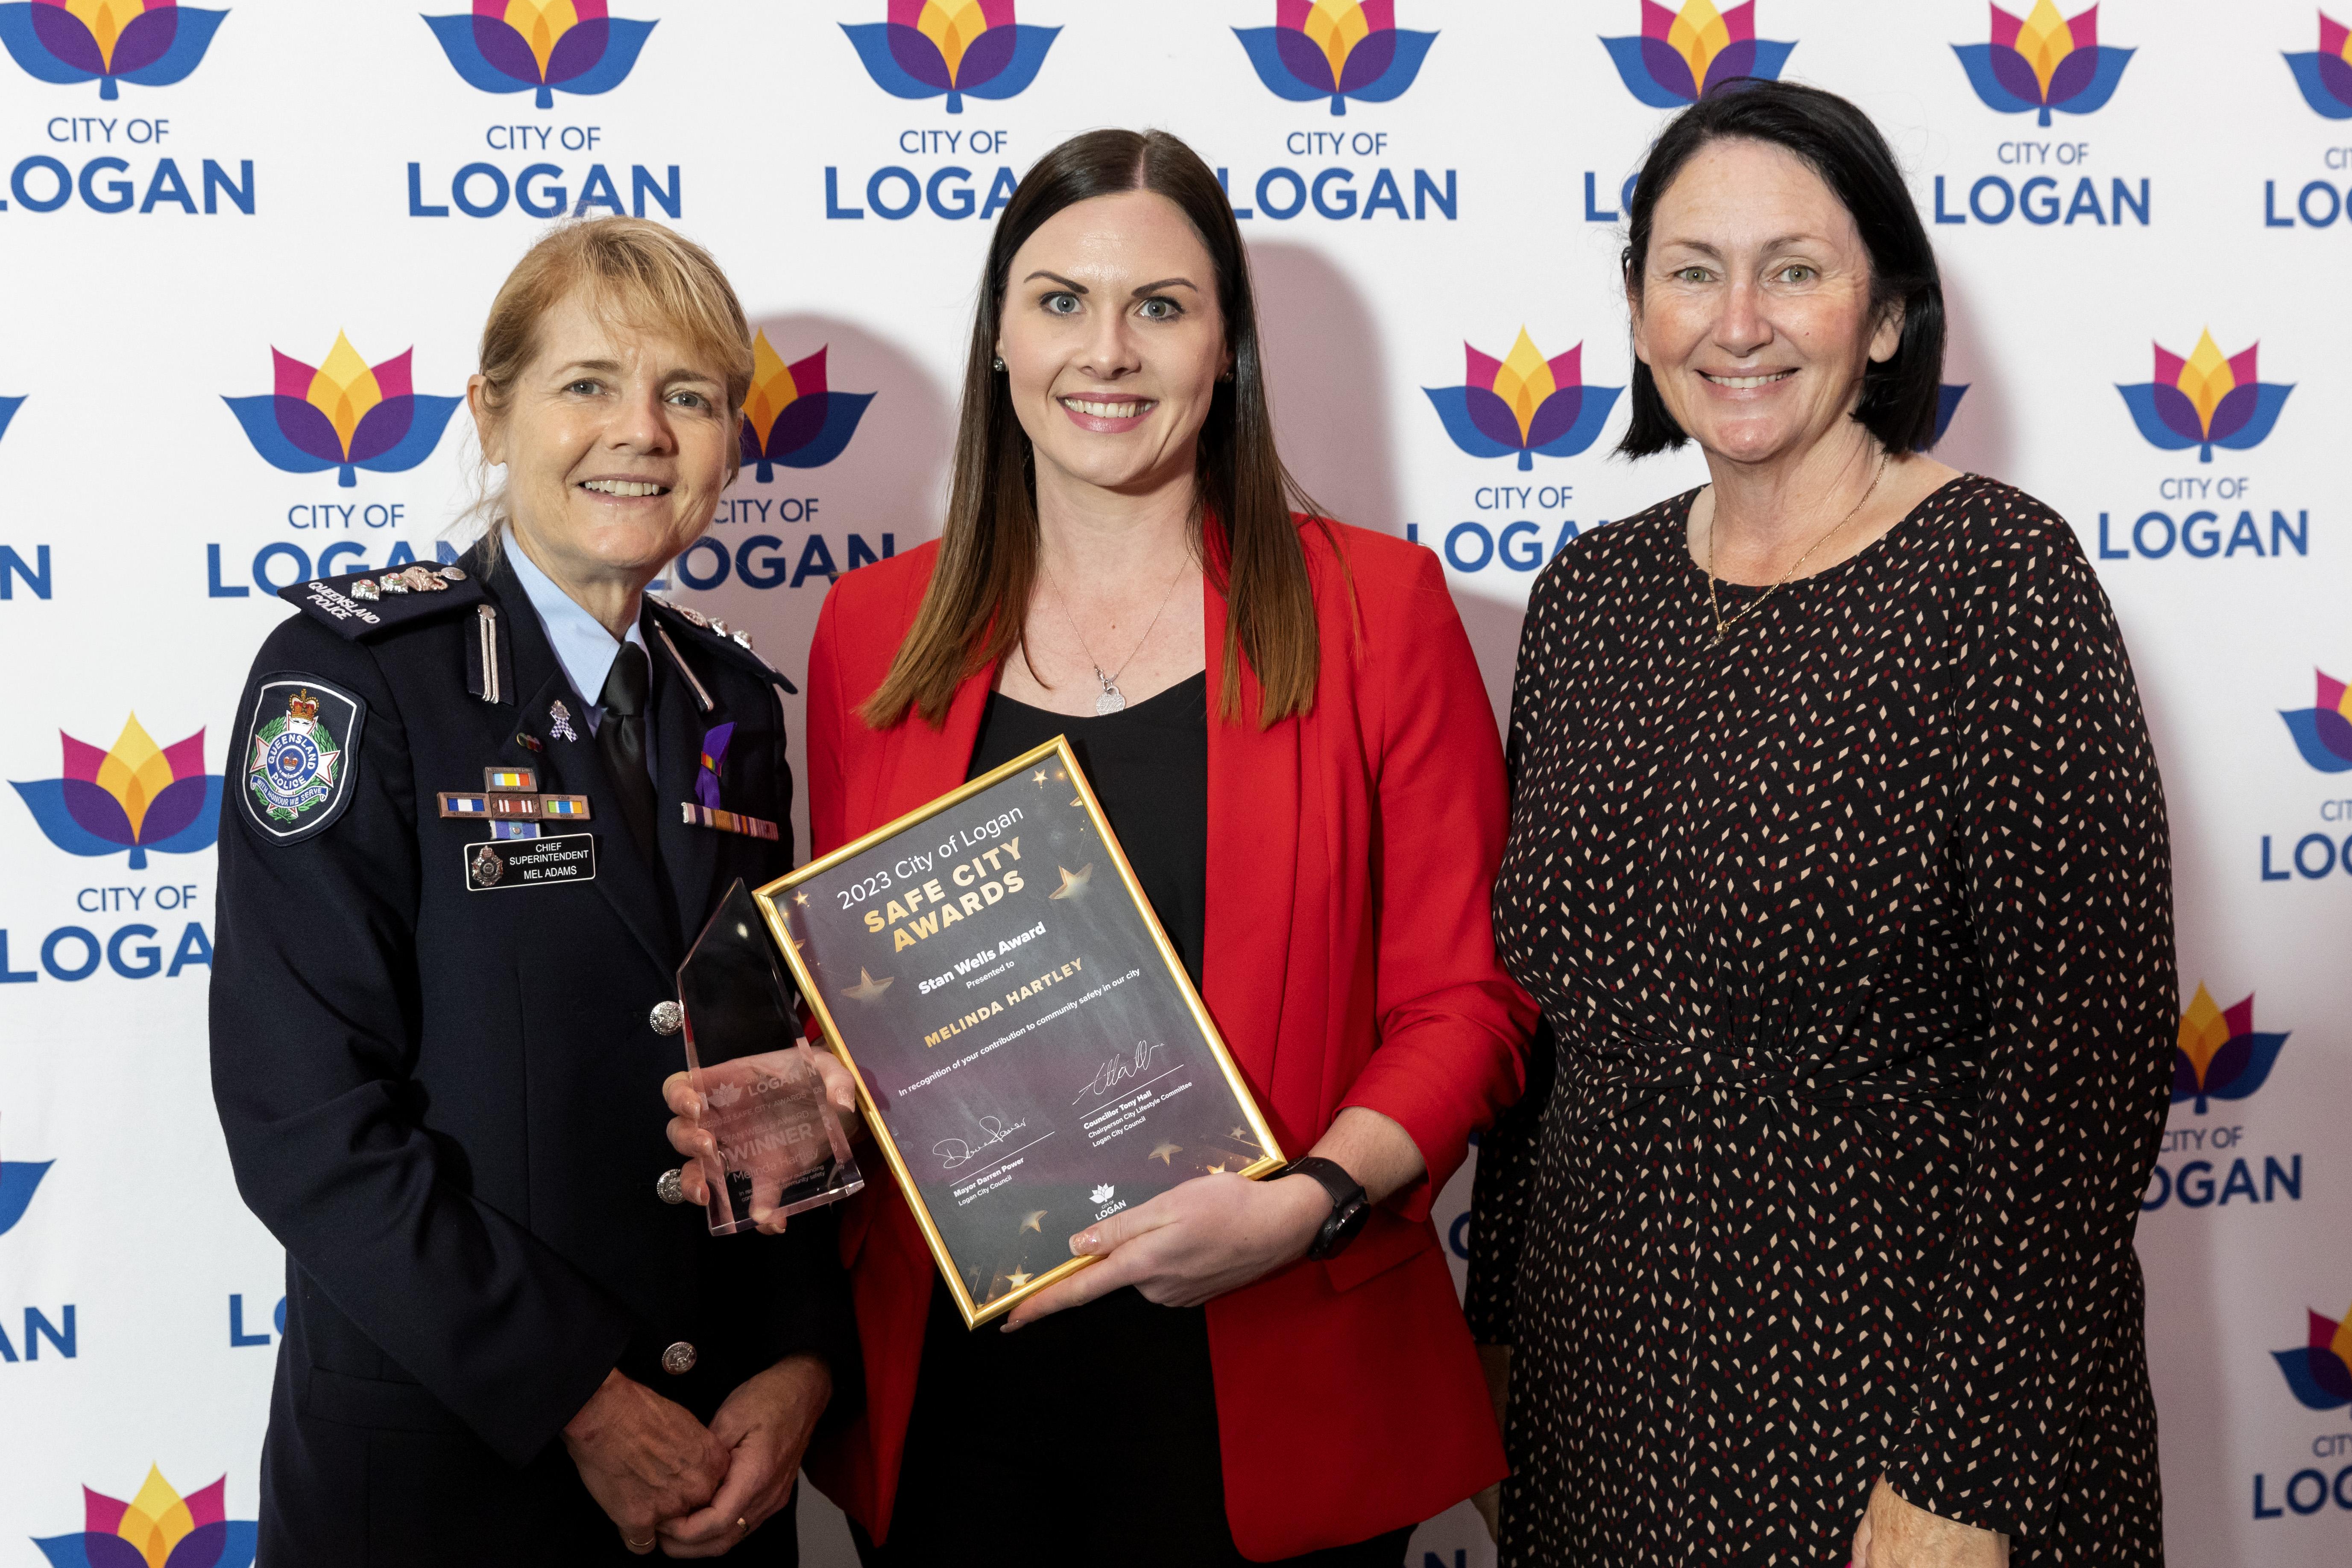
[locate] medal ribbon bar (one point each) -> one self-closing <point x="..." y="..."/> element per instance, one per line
<point x="513" y="805"/>
<point x="726" y="821"/>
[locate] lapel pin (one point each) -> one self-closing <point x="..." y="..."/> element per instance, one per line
<point x="559" y="721"/>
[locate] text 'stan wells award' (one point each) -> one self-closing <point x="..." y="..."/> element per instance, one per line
<point x="1033" y="1056"/>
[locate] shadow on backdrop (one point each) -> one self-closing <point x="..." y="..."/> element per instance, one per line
<point x="1980" y="438"/>
<point x="1328" y="378"/>
<point x="889" y="479"/>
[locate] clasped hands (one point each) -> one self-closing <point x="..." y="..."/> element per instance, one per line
<point x="1897" y="1534"/>
<point x="667" y="1480"/>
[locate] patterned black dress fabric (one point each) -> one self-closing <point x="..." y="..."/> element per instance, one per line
<point x="1090" y="1436"/>
<point x="1854" y="938"/>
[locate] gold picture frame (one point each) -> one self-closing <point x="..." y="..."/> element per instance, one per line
<point x="774" y="898"/>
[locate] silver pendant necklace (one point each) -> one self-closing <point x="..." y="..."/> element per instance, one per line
<point x="1110" y="699"/>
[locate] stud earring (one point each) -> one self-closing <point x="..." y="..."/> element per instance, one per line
<point x="1000" y="361"/>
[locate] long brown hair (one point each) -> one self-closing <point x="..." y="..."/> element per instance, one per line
<point x="973" y="612"/>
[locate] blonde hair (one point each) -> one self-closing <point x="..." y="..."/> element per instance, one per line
<point x="637" y="271"/>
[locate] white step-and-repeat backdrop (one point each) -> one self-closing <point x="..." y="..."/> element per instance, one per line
<point x="245" y="255"/>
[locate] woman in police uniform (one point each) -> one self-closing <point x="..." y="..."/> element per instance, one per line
<point x="470" y="839"/>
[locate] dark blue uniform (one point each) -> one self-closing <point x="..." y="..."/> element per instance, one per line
<point x="441" y="1086"/>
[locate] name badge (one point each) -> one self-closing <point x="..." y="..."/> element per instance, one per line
<point x="497" y="865"/>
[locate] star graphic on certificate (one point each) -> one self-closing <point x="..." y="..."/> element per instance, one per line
<point x="1217" y="1169"/>
<point x="868" y="988"/>
<point x="1243" y="1134"/>
<point x="1034" y="1221"/>
<point x="1017" y="1279"/>
<point x="1072" y="882"/>
<point x="801" y="899"/>
<point x="1039" y="776"/>
<point x="1162" y="1153"/>
<point x="1077" y="800"/>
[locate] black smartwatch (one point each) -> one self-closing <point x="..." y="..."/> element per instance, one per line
<point x="1349" y="1207"/>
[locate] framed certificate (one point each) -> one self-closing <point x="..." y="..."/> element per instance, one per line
<point x="1031" y="1053"/>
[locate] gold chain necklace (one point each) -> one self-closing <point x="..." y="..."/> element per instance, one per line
<point x="1724" y="626"/>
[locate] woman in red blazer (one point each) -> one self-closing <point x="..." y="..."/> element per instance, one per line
<point x="1344" y="821"/>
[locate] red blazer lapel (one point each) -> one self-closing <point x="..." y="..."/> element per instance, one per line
<point x="1254" y="801"/>
<point x="920" y="763"/>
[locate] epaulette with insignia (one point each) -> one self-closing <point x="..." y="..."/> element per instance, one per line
<point x="717" y="636"/>
<point x="362" y="604"/>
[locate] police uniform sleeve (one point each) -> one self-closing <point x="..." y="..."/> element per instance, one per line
<point x="316" y="1000"/>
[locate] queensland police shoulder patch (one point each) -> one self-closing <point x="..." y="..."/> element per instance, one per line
<point x="302" y="755"/>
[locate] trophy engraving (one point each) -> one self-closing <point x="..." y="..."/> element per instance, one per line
<point x="781" y="1146"/>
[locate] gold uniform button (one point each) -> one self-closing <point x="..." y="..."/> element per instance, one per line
<point x="667" y="1017"/>
<point x="678" y="1359"/>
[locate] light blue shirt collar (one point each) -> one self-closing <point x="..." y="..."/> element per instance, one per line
<point x="582" y="646"/>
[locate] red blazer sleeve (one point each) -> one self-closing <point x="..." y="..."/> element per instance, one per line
<point x="828" y="716"/>
<point x="1452" y="1025"/>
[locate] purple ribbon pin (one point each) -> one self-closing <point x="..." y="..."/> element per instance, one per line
<point x="714" y="755"/>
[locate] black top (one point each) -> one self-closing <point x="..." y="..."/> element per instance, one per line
<point x="1854" y="932"/>
<point x="1118" y="1389"/>
<point x="1149" y="765"/>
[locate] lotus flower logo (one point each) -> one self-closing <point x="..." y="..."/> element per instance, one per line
<point x="2320" y="1373"/>
<point x="725" y="1094"/>
<point x="1336" y="49"/>
<point x="2323" y="732"/>
<point x="1523" y="403"/>
<point x="1683" y="55"/>
<point x="153" y="43"/>
<point x="2325" y="78"/>
<point x="19" y="1179"/>
<point x="1948" y="403"/>
<point x="136" y="796"/>
<point x="344" y="414"/>
<point x="2044" y="62"/>
<point x="2205" y="401"/>
<point x="540" y="46"/>
<point x="952" y="46"/>
<point x="1103" y="1193"/>
<point x="157" y="1529"/>
<point x="2221" y="1056"/>
<point x="791" y="418"/>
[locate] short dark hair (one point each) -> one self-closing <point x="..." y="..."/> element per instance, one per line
<point x="1838" y="142"/>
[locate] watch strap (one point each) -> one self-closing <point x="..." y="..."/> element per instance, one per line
<point x="1351" y="1206"/>
<point x="1330" y="1176"/>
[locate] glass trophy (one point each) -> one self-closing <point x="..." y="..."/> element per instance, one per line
<point x="781" y="1146"/>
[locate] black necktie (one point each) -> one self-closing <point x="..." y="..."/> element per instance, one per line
<point x="621" y="738"/>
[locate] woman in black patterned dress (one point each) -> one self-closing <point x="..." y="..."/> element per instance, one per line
<point x="1838" y="862"/>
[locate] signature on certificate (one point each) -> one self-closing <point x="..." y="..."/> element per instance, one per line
<point x="1127" y="1065"/>
<point x="993" y="1130"/>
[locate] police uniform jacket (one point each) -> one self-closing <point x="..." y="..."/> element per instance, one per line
<point x="444" y="1100"/>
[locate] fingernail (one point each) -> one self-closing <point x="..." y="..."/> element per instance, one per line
<point x="1083" y="1242"/>
<point x="1010" y="1324"/>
